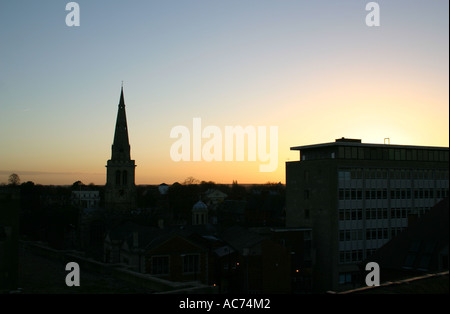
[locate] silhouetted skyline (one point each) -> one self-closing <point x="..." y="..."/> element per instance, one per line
<point x="314" y="69"/>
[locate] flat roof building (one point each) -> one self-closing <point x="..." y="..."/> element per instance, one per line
<point x="356" y="197"/>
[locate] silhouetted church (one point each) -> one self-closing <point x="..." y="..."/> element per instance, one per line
<point x="120" y="189"/>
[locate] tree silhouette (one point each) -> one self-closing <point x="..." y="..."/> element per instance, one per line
<point x="77" y="185"/>
<point x="14" y="179"/>
<point x="191" y="180"/>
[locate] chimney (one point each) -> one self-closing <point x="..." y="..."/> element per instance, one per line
<point x="347" y="140"/>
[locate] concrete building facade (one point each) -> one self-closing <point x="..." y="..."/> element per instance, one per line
<point x="358" y="196"/>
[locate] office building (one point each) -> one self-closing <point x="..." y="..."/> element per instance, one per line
<point x="356" y="197"/>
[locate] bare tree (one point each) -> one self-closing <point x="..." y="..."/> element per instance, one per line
<point x="191" y="180"/>
<point x="14" y="179"/>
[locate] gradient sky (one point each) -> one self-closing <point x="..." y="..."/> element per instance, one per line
<point x="312" y="68"/>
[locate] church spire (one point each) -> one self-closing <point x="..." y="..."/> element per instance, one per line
<point x="120" y="189"/>
<point x="121" y="145"/>
<point x="122" y="101"/>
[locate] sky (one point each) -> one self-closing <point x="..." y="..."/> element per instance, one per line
<point x="313" y="69"/>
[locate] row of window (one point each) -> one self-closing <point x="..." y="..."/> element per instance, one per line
<point x="371" y="234"/>
<point x="376" y="153"/>
<point x="160" y="264"/>
<point x="350" y="235"/>
<point x="352" y="256"/>
<point x="377" y="233"/>
<point x="84" y="195"/>
<point x="393" y="174"/>
<point x="379" y="213"/>
<point x="382" y="194"/>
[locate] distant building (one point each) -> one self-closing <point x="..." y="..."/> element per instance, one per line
<point x="297" y="241"/>
<point x="86" y="199"/>
<point x="135" y="245"/>
<point x="199" y="213"/>
<point x="358" y="196"/>
<point x="214" y="197"/>
<point x="163" y="189"/>
<point x="120" y="189"/>
<point x="175" y="257"/>
<point x="256" y="264"/>
<point x="115" y="239"/>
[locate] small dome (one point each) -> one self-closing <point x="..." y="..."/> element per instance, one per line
<point x="200" y="206"/>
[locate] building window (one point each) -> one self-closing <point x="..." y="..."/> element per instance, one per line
<point x="408" y="155"/>
<point x="347" y="194"/>
<point x="356" y="234"/>
<point x="118" y="177"/>
<point x="348" y="153"/>
<point x="342" y="257"/>
<point x="420" y="155"/>
<point x="342" y="214"/>
<point x="341" y="152"/>
<point x="306" y="194"/>
<point x="359" y="194"/>
<point x="344" y="174"/>
<point x="397" y="154"/>
<point x="402" y="154"/>
<point x="341" y="235"/>
<point x="125" y="177"/>
<point x="352" y="256"/>
<point x="190" y="263"/>
<point x="354" y="153"/>
<point x="160" y="265"/>
<point x="391" y="154"/>
<point x="360" y="153"/>
<point x="374" y="153"/>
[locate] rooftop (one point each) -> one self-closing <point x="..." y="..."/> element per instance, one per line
<point x="345" y="148"/>
<point x="419" y="247"/>
<point x="436" y="283"/>
<point x="358" y="143"/>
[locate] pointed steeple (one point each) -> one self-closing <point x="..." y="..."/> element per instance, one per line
<point x="120" y="189"/>
<point x="121" y="101"/>
<point x="121" y="144"/>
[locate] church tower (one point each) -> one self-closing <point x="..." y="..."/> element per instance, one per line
<point x="120" y="189"/>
